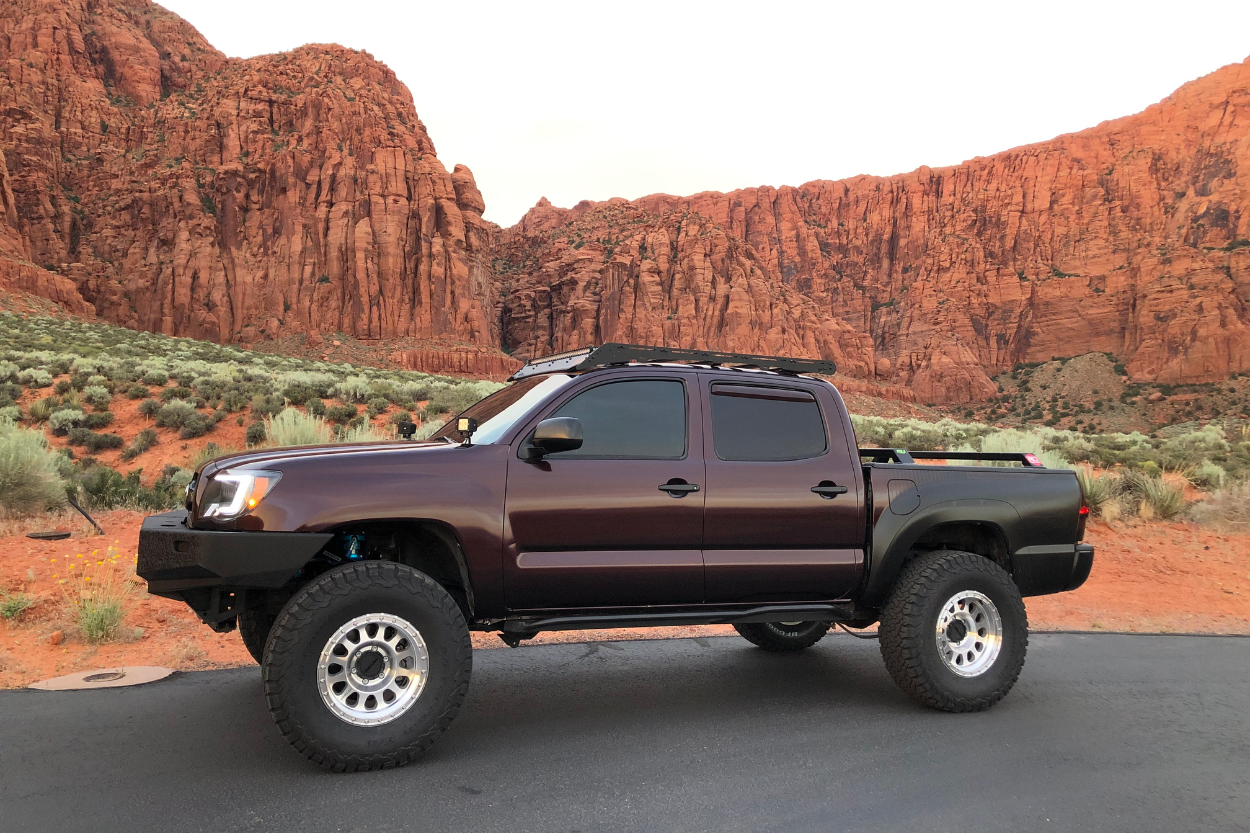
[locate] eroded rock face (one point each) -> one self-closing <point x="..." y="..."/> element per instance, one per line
<point x="192" y="194"/>
<point x="1129" y="238"/>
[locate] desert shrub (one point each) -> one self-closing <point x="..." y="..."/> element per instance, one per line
<point x="267" y="405"/>
<point x="1193" y="447"/>
<point x="41" y="410"/>
<point x="234" y="400"/>
<point x="137" y="391"/>
<point x="62" y="387"/>
<point x="316" y="407"/>
<point x="357" y="421"/>
<point x="255" y="434"/>
<point x="78" y="381"/>
<point x="341" y="414"/>
<point x="155" y="377"/>
<point x="456" y="399"/>
<point x="8" y="371"/>
<point x="61" y="421"/>
<point x="30" y="479"/>
<point x="13" y="605"/>
<point x="96" y="591"/>
<point x="1153" y="497"/>
<point x="174" y="414"/>
<point x="9" y="393"/>
<point x="211" y="387"/>
<point x="99" y="382"/>
<point x="35" y="378"/>
<point x="414" y="391"/>
<point x="298" y="393"/>
<point x="105" y="488"/>
<point x="149" y="407"/>
<point x="398" y="417"/>
<point x="12" y="413"/>
<point x="1207" y="475"/>
<point x="196" y="425"/>
<point x="98" y="420"/>
<point x="144" y="440"/>
<point x="1099" y="489"/>
<point x="84" y="364"/>
<point x="208" y="453"/>
<point x="381" y="389"/>
<point x="93" y="441"/>
<point x="353" y="389"/>
<point x="1228" y="509"/>
<point x="291" y="427"/>
<point x="97" y="397"/>
<point x="362" y="434"/>
<point x="178" y="392"/>
<point x="377" y="406"/>
<point x="424" y="431"/>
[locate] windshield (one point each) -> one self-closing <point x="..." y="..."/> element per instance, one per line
<point x="504" y="408"/>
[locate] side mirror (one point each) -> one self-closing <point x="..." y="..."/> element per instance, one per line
<point x="553" y="436"/>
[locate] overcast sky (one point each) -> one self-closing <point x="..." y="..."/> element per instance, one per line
<point x="587" y="100"/>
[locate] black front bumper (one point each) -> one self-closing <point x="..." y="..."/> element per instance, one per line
<point x="178" y="561"/>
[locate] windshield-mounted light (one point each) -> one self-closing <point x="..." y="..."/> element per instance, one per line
<point x="232" y="494"/>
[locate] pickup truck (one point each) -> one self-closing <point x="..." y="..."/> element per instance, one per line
<point x="616" y="486"/>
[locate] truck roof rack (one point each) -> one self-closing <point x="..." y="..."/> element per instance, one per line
<point x="606" y="355"/>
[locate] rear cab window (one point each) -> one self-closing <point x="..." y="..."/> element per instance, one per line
<point x="759" y="423"/>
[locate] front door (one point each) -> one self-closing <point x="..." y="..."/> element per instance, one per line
<point x="767" y="535"/>
<point x="594" y="527"/>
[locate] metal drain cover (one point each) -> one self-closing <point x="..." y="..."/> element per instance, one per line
<point x="105" y="678"/>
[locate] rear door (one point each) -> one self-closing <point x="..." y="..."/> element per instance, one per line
<point x="767" y="535"/>
<point x="594" y="527"/>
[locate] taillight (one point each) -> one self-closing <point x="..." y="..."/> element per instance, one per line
<point x="1082" y="517"/>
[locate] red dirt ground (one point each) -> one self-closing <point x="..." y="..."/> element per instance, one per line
<point x="1147" y="577"/>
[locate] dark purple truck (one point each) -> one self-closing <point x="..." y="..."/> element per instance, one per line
<point x="618" y="486"/>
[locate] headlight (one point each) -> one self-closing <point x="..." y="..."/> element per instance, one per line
<point x="230" y="494"/>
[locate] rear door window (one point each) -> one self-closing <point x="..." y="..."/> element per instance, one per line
<point x="642" y="419"/>
<point x="755" y="423"/>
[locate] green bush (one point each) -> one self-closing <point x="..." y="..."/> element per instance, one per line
<point x="155" y="377"/>
<point x="234" y="400"/>
<point x="316" y="407"/>
<point x="341" y="414"/>
<point x="255" y="434"/>
<point x="35" y="378"/>
<point x="267" y="405"/>
<point x="62" y="387"/>
<point x="456" y="399"/>
<point x="353" y="389"/>
<point x="299" y="393"/>
<point x="149" y="407"/>
<point x="178" y="392"/>
<point x="196" y="425"/>
<point x="293" y="428"/>
<point x="93" y="441"/>
<point x="174" y="414"/>
<point x="377" y="406"/>
<point x="1208" y="475"/>
<point x="362" y="434"/>
<point x="398" y="417"/>
<point x="137" y="392"/>
<point x="210" y="452"/>
<point x="97" y="397"/>
<point x="41" y="410"/>
<point x="30" y="479"/>
<point x="61" y="421"/>
<point x="1099" y="490"/>
<point x="144" y="440"/>
<point x="13" y="605"/>
<point x="106" y="488"/>
<point x="1153" y="497"/>
<point x="12" y="413"/>
<point x="98" y="420"/>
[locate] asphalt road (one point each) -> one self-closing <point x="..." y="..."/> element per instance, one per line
<point x="1103" y="732"/>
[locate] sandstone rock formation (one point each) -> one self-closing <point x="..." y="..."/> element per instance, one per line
<point x="1129" y="238"/>
<point x="193" y="194"/>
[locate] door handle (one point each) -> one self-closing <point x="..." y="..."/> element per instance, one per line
<point x="828" y="490"/>
<point x="678" y="487"/>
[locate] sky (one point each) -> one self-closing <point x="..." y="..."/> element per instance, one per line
<point x="592" y="100"/>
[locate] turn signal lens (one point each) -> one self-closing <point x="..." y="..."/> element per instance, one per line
<point x="231" y="494"/>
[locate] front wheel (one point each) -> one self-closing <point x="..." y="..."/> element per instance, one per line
<point x="783" y="636"/>
<point x="366" y="666"/>
<point x="954" y="632"/>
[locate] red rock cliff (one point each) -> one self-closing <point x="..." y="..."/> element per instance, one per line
<point x="192" y="194"/>
<point x="1129" y="238"/>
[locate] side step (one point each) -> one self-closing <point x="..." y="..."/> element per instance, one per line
<point x="740" y="616"/>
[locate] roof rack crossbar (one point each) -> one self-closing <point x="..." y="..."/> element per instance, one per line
<point x="606" y="355"/>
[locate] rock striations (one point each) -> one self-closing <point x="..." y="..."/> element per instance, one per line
<point x="1131" y="238"/>
<point x="181" y="191"/>
<point x="147" y="177"/>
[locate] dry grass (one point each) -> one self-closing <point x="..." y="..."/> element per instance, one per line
<point x="1228" y="509"/>
<point x="96" y="592"/>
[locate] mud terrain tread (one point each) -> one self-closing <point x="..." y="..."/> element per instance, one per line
<point x="300" y="612"/>
<point x="903" y="629"/>
<point x="759" y="635"/>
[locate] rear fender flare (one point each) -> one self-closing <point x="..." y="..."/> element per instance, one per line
<point x="894" y="537"/>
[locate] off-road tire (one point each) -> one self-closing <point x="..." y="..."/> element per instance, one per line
<point x="775" y="636"/>
<point x="254" y="627"/>
<point x="313" y="615"/>
<point x="908" y="631"/>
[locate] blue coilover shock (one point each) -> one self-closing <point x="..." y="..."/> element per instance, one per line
<point x="353" y="542"/>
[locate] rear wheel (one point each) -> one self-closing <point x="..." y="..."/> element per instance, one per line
<point x="954" y="632"/>
<point x="783" y="636"/>
<point x="366" y="666"/>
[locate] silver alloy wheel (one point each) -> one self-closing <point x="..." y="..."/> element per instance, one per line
<point x="969" y="633"/>
<point x="372" y="669"/>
